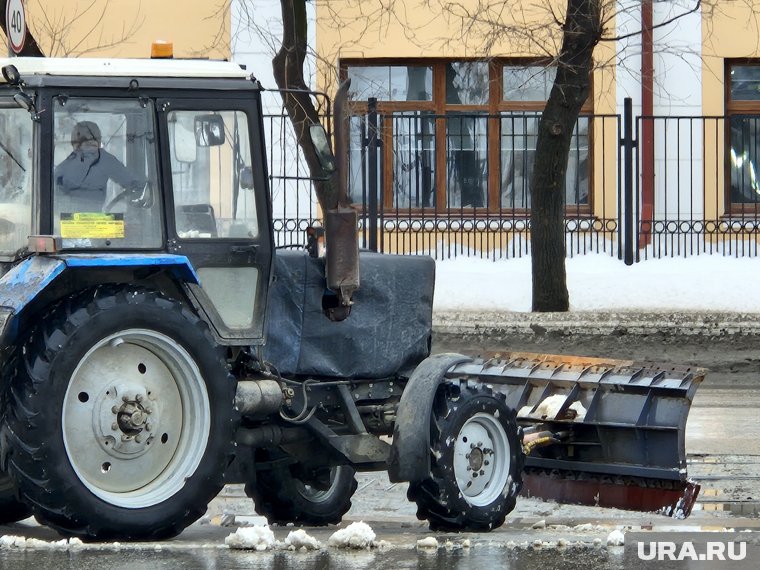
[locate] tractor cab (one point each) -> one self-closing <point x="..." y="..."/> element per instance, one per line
<point x="150" y="163"/>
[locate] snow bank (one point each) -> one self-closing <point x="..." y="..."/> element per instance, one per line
<point x="251" y="538"/>
<point x="600" y="282"/>
<point x="300" y="539"/>
<point x="356" y="535"/>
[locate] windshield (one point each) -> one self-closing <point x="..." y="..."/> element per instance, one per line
<point x="15" y="178"/>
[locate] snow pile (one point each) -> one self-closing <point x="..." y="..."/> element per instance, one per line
<point x="11" y="541"/>
<point x="427" y="542"/>
<point x="549" y="408"/>
<point x="356" y="535"/>
<point x="300" y="539"/>
<point x="251" y="538"/>
<point x="616" y="538"/>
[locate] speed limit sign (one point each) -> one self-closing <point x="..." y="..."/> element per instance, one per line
<point x="15" y="24"/>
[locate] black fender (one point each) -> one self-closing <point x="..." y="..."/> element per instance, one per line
<point x="409" y="458"/>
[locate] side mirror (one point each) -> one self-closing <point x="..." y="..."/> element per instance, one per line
<point x="246" y="178"/>
<point x="209" y="130"/>
<point x="11" y="75"/>
<point x="322" y="147"/>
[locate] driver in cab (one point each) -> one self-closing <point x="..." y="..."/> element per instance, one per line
<point x="82" y="178"/>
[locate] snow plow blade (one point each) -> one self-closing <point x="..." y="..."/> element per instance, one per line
<point x="609" y="433"/>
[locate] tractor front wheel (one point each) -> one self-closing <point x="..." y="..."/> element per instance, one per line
<point x="476" y="461"/>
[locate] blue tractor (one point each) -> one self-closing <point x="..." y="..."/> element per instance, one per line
<point x="154" y="345"/>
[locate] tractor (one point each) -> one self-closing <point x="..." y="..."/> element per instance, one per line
<point x="155" y="345"/>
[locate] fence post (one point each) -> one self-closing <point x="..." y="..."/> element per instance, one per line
<point x="628" y="195"/>
<point x="372" y="189"/>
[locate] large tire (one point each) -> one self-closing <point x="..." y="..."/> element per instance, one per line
<point x="120" y="421"/>
<point x="11" y="509"/>
<point x="476" y="461"/>
<point x="282" y="498"/>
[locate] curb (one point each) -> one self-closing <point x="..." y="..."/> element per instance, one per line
<point x="586" y="323"/>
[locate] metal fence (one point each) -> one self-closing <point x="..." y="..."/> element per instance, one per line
<point x="458" y="184"/>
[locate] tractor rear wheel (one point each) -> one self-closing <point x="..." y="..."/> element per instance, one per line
<point x="120" y="423"/>
<point x="476" y="461"/>
<point x="11" y="509"/>
<point x="283" y="498"/>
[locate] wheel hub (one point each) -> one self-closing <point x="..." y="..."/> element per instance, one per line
<point x="132" y="417"/>
<point x="481" y="459"/>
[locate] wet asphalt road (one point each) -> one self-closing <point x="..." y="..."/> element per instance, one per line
<point x="722" y="443"/>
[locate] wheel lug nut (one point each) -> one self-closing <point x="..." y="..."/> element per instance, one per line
<point x="139" y="398"/>
<point x="480" y="444"/>
<point x="467" y="456"/>
<point x="114" y="426"/>
<point x="149" y="427"/>
<point x="482" y="472"/>
<point x="469" y="468"/>
<point x="472" y="446"/>
<point x="138" y="439"/>
<point x="115" y="410"/>
<point x="124" y="399"/>
<point x="486" y="462"/>
<point x="474" y="475"/>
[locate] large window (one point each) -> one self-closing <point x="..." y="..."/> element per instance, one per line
<point x="105" y="174"/>
<point x="457" y="135"/>
<point x="743" y="130"/>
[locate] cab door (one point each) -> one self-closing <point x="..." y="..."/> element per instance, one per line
<point x="217" y="212"/>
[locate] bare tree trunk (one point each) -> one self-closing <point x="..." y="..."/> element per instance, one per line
<point x="288" y="73"/>
<point x="31" y="49"/>
<point x="581" y="32"/>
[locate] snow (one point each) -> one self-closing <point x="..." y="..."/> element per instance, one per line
<point x="549" y="407"/>
<point x="427" y="542"/>
<point x="616" y="538"/>
<point x="251" y="538"/>
<point x="300" y="539"/>
<point x="21" y="542"/>
<point x="356" y="535"/>
<point x="601" y="282"/>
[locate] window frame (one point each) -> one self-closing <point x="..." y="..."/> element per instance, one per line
<point x="440" y="110"/>
<point x="739" y="107"/>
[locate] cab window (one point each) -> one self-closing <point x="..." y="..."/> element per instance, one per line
<point x="105" y="175"/>
<point x="212" y="178"/>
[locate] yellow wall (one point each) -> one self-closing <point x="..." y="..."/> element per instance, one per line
<point x="126" y="28"/>
<point x="729" y="32"/>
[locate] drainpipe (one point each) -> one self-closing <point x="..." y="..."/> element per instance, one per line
<point x="646" y="146"/>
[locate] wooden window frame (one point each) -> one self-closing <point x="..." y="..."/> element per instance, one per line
<point x="440" y="108"/>
<point x="736" y="107"/>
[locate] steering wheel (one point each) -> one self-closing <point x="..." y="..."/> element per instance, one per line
<point x="145" y="200"/>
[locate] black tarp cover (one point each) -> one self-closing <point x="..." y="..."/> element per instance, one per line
<point x="387" y="333"/>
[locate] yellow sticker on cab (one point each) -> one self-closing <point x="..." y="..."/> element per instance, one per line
<point x="92" y="225"/>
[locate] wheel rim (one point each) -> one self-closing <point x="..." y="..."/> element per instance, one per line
<point x="314" y="495"/>
<point x="126" y="427"/>
<point x="482" y="459"/>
